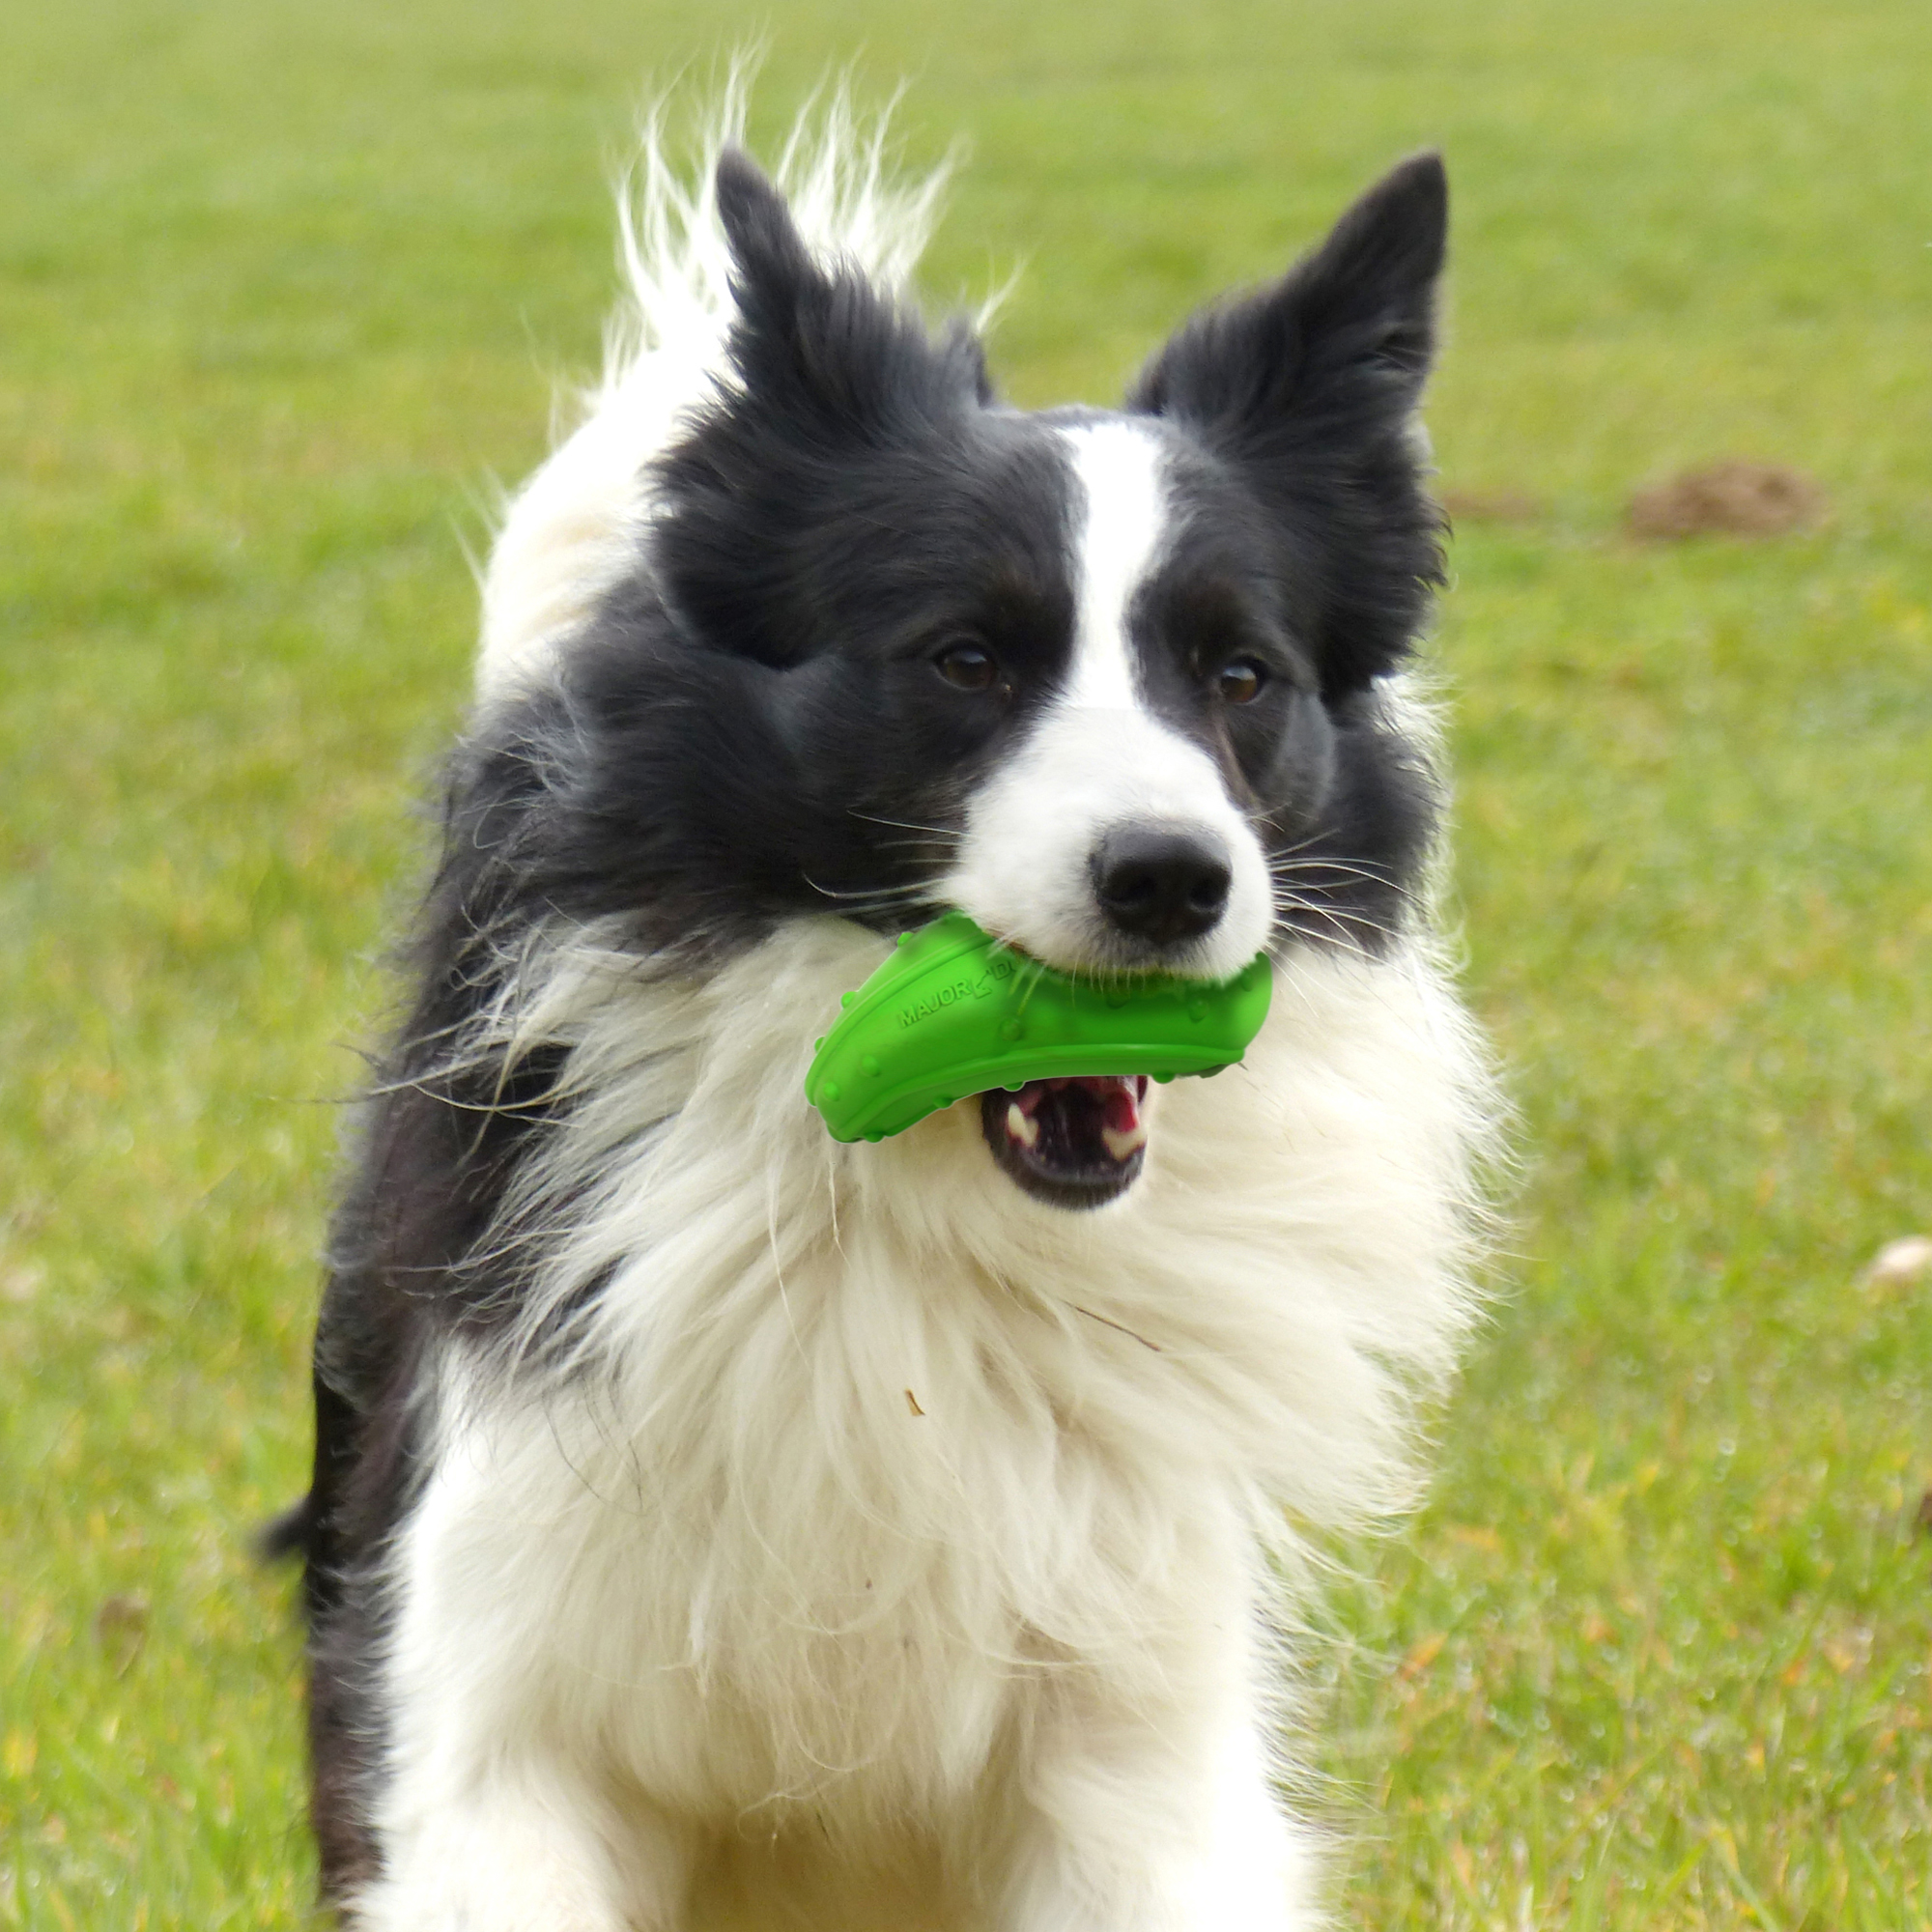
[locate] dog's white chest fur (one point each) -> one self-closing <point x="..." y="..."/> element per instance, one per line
<point x="871" y="1475"/>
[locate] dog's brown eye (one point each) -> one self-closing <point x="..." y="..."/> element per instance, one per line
<point x="1240" y="682"/>
<point x="967" y="667"/>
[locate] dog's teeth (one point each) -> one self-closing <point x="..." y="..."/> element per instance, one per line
<point x="1022" y="1125"/>
<point x="1122" y="1142"/>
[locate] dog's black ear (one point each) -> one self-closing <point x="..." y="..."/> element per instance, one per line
<point x="838" y="382"/>
<point x="1348" y="330"/>
<point x="1310" y="387"/>
<point x="823" y="341"/>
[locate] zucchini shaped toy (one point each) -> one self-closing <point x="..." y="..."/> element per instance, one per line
<point x="952" y="1012"/>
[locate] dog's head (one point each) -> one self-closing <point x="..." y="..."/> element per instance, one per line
<point x="1112" y="682"/>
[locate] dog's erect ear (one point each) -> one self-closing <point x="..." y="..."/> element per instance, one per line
<point x="837" y="382"/>
<point x="823" y="341"/>
<point x="1309" y="388"/>
<point x="1349" y="330"/>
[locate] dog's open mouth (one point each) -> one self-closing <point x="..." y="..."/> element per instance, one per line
<point x="1075" y="1143"/>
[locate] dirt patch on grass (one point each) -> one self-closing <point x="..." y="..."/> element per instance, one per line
<point x="1735" y="498"/>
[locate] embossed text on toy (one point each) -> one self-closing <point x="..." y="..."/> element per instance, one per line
<point x="964" y="990"/>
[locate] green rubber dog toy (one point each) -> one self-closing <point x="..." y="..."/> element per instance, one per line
<point x="954" y="1013"/>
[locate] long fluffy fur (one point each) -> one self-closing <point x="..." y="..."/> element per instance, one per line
<point x="716" y="1524"/>
<point x="571" y="533"/>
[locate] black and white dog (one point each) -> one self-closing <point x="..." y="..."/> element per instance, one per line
<point x="716" y="1524"/>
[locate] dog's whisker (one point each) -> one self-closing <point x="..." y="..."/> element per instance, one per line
<point x="919" y="843"/>
<point x="879" y="895"/>
<point x="1316" y="870"/>
<point x="942" y="832"/>
<point x="1343" y="930"/>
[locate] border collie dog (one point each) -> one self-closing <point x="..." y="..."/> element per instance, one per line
<point x="715" y="1525"/>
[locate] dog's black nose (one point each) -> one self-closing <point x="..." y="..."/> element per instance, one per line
<point x="1161" y="883"/>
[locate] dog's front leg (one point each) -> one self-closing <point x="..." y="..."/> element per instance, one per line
<point x="522" y="1846"/>
<point x="497" y="1802"/>
<point x="1142" y="1820"/>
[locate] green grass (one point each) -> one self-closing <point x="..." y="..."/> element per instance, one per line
<point x="283" y="288"/>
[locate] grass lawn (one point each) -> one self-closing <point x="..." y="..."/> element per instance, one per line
<point x="283" y="288"/>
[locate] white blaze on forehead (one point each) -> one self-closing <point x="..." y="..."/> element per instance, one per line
<point x="1116" y="468"/>
<point x="1099" y="757"/>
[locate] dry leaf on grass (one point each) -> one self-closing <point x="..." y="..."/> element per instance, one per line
<point x="22" y="1284"/>
<point x="121" y="1625"/>
<point x="1900" y="1262"/>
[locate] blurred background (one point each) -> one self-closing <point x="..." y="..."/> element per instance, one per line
<point x="287" y="291"/>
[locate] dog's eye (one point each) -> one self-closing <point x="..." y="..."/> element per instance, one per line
<point x="967" y="667"/>
<point x="1240" y="682"/>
